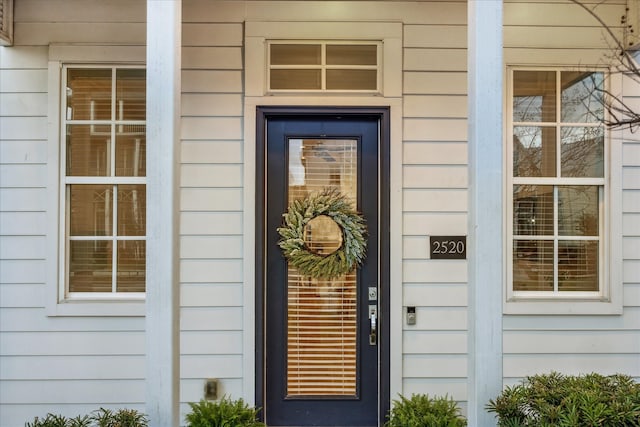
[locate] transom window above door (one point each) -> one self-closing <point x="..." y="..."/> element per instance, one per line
<point x="324" y="66"/>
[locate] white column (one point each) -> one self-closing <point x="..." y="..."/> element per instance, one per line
<point x="486" y="217"/>
<point x="163" y="136"/>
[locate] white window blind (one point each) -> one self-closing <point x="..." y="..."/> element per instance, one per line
<point x="322" y="314"/>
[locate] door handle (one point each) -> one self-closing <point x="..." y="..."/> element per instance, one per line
<point x="373" y="332"/>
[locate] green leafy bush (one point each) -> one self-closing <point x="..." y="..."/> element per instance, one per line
<point x="223" y="413"/>
<point x="423" y="411"/>
<point x="99" y="418"/>
<point x="569" y="401"/>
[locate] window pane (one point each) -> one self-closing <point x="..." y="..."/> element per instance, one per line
<point x="578" y="210"/>
<point x="534" y="151"/>
<point x="343" y="54"/>
<point x="533" y="265"/>
<point x="582" y="94"/>
<point x="296" y="79"/>
<point x="578" y="265"/>
<point x="90" y="210"/>
<point x="88" y="150"/>
<point x="88" y="94"/>
<point x="322" y="343"/>
<point x="352" y="79"/>
<point x="131" y="94"/>
<point x="131" y="150"/>
<point x="132" y="210"/>
<point x="533" y="210"/>
<point x="131" y="266"/>
<point x="582" y="152"/>
<point x="534" y="96"/>
<point x="90" y="266"/>
<point x="295" y="54"/>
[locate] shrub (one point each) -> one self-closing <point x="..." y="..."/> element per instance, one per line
<point x="224" y="413"/>
<point x="423" y="411"/>
<point x="99" y="418"/>
<point x="569" y="401"/>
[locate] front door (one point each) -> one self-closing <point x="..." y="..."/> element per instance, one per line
<point x="322" y="335"/>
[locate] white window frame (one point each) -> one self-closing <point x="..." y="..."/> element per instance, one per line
<point x="608" y="299"/>
<point x="58" y="301"/>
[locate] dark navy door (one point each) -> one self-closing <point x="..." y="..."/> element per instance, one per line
<point x="321" y="352"/>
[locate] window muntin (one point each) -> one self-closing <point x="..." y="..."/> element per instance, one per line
<point x="557" y="184"/>
<point x="104" y="181"/>
<point x="324" y="66"/>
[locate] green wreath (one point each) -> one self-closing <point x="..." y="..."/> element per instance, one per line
<point x="335" y="205"/>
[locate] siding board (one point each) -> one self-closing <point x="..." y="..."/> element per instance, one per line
<point x="73" y="392"/>
<point x="210" y="294"/>
<point x="65" y="32"/>
<point x="417" y="176"/>
<point x="25" y="81"/>
<point x="22" y="223"/>
<point x="210" y="223"/>
<point x="23" y="152"/>
<point x="50" y="368"/>
<point x="435" y="153"/>
<point x="571" y="342"/>
<point x="435" y="83"/>
<point x="208" y="247"/>
<point x="23" y="176"/>
<point x="211" y="81"/>
<point x="72" y="343"/>
<point x="208" y="34"/>
<point x="436" y="223"/>
<point x="211" y="319"/>
<point x="23" y="104"/>
<point x="212" y="58"/>
<point x="217" y="175"/>
<point x="211" y="152"/>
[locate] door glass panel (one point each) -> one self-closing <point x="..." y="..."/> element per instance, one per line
<point x="322" y="314"/>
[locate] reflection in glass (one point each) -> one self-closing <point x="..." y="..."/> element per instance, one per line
<point x="295" y="79"/>
<point x="131" y="266"/>
<point x="88" y="94"/>
<point x="131" y="150"/>
<point x="90" y="210"/>
<point x="131" y="94"/>
<point x="582" y="97"/>
<point x="357" y="54"/>
<point x="534" y="151"/>
<point x="132" y="210"/>
<point x="322" y="314"/>
<point x="88" y="150"/>
<point x="577" y="265"/>
<point x="533" y="265"/>
<point x="534" y="96"/>
<point x="578" y="210"/>
<point x="533" y="210"/>
<point x="295" y="54"/>
<point x="322" y="235"/>
<point x="582" y="152"/>
<point x="352" y="79"/>
<point x="90" y="266"/>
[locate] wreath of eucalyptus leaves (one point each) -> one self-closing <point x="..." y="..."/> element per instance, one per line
<point x="335" y="205"/>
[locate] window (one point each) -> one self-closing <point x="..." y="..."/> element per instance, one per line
<point x="323" y="66"/>
<point x="557" y="191"/>
<point x="103" y="182"/>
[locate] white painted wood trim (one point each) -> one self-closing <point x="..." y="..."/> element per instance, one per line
<point x="164" y="29"/>
<point x="486" y="229"/>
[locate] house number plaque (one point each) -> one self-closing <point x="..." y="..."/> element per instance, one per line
<point x="448" y="247"/>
